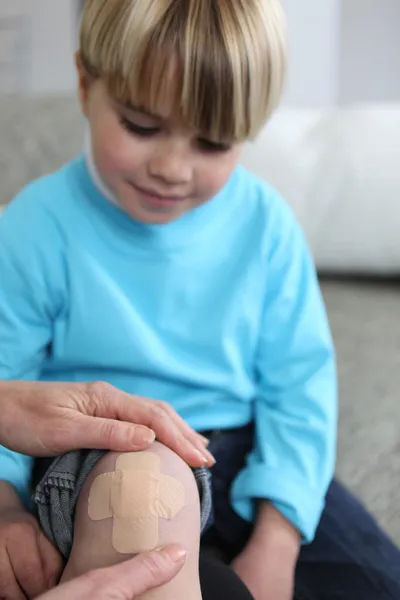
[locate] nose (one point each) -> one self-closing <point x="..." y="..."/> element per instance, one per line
<point x="171" y="162"/>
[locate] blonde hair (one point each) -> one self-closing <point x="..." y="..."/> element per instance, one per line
<point x="229" y="58"/>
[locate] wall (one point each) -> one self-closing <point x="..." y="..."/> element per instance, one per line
<point x="370" y="51"/>
<point x="314" y="34"/>
<point x="15" y="45"/>
<point x="53" y="45"/>
<point x="342" y="51"/>
<point x="37" y="41"/>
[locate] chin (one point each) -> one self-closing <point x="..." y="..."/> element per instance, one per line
<point x="150" y="218"/>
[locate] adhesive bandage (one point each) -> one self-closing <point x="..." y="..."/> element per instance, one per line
<point x="136" y="495"/>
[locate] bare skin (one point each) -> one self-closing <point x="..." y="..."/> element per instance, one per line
<point x="126" y="581"/>
<point x="93" y="548"/>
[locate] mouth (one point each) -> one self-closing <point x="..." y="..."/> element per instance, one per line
<point x="157" y="200"/>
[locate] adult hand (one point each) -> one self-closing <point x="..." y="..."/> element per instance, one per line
<point x="125" y="581"/>
<point x="49" y="419"/>
<point x="29" y="563"/>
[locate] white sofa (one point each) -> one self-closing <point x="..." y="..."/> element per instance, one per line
<point x="340" y="170"/>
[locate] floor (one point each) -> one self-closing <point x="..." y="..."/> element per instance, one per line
<point x="365" y="319"/>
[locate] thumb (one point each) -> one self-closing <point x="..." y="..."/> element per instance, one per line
<point x="110" y="434"/>
<point x="144" y="573"/>
<point x="126" y="581"/>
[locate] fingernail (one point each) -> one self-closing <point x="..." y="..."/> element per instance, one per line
<point x="205" y="455"/>
<point x="210" y="459"/>
<point x="143" y="435"/>
<point x="202" y="456"/>
<point x="177" y="553"/>
<point x="207" y="458"/>
<point x="205" y="440"/>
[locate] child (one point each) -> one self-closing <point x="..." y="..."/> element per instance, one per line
<point x="157" y="264"/>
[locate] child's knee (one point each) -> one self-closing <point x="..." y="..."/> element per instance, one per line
<point x="150" y="499"/>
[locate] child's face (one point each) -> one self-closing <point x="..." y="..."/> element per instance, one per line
<point x="157" y="168"/>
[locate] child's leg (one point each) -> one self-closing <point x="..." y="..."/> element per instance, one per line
<point x="218" y="581"/>
<point x="351" y="557"/>
<point x="92" y="547"/>
<point x="229" y="533"/>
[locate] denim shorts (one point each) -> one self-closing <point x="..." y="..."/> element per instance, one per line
<point x="58" y="482"/>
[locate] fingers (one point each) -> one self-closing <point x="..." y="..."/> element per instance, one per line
<point x="192" y="436"/>
<point x="126" y="581"/>
<point x="26" y="563"/>
<point x="9" y="588"/>
<point x="144" y="573"/>
<point x="52" y="561"/>
<point x="109" y="403"/>
<point x="169" y="434"/>
<point x="91" y="432"/>
<point x="108" y="434"/>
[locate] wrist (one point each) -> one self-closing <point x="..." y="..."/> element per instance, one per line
<point x="273" y="531"/>
<point x="9" y="498"/>
<point x="8" y="394"/>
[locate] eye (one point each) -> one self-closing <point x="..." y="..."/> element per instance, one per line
<point x="138" y="129"/>
<point x="209" y="146"/>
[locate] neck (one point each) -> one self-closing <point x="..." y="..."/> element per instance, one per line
<point x="95" y="174"/>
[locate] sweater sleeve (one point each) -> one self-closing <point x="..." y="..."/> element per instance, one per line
<point x="29" y="299"/>
<point x="293" y="460"/>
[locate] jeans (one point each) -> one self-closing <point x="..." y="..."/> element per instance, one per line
<point x="351" y="558"/>
<point x="57" y="483"/>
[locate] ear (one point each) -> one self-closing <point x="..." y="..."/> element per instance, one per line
<point x="83" y="83"/>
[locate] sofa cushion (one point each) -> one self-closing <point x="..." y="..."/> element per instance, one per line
<point x="340" y="172"/>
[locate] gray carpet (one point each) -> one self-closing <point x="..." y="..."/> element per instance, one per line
<point x="366" y="327"/>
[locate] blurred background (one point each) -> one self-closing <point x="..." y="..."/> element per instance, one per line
<point x="342" y="51"/>
<point x="333" y="150"/>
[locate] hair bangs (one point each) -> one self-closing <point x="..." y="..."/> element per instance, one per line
<point x="211" y="60"/>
